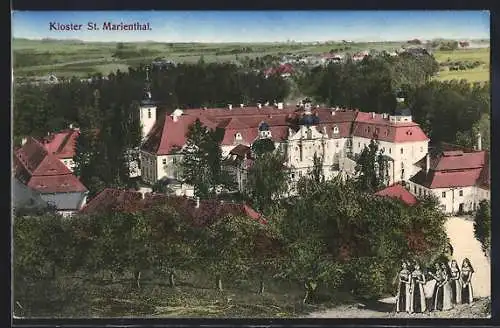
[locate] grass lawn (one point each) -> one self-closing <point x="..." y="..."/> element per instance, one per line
<point x="97" y="297"/>
<point x="480" y="74"/>
<point x="480" y="54"/>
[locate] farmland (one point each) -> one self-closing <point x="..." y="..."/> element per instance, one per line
<point x="477" y="74"/>
<point x="76" y="58"/>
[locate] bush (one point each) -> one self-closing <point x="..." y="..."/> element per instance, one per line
<point x="367" y="278"/>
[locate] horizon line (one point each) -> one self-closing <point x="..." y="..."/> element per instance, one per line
<point x="249" y="42"/>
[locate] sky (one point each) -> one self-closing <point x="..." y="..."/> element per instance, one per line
<point x="258" y="26"/>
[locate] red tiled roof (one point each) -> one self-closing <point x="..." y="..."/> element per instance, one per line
<point x="399" y="192"/>
<point x="447" y="179"/>
<point x="62" y="144"/>
<point x="129" y="201"/>
<point x="455" y="168"/>
<point x="38" y="169"/>
<point x="458" y="160"/>
<point x="377" y="127"/>
<point x="110" y="199"/>
<point x="167" y="134"/>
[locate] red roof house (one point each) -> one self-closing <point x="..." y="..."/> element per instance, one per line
<point x="454" y="168"/>
<point x="399" y="192"/>
<point x="201" y="213"/>
<point x="62" y="144"/>
<point x="40" y="170"/>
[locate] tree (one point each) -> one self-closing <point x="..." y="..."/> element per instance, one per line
<point x="267" y="180"/>
<point x="201" y="165"/>
<point x="171" y="238"/>
<point x="371" y="169"/>
<point x="262" y="146"/>
<point x="229" y="247"/>
<point x="317" y="171"/>
<point x="482" y="226"/>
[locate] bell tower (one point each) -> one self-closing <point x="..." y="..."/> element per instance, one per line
<point x="147" y="108"/>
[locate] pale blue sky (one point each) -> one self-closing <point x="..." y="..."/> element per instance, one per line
<point x="263" y="26"/>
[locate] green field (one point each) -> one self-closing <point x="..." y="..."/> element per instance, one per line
<point x="77" y="58"/>
<point x="479" y="74"/>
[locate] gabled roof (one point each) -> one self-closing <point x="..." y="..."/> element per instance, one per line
<point x="376" y="126"/>
<point x="447" y="179"/>
<point x="168" y="134"/>
<point x="38" y="169"/>
<point x="455" y="168"/>
<point x="399" y="192"/>
<point x="110" y="199"/>
<point x="116" y="200"/>
<point x="62" y="144"/>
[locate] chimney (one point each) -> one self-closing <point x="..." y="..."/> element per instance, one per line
<point x="324" y="131"/>
<point x="333" y="113"/>
<point x="427" y="163"/>
<point x="71" y="126"/>
<point x="229" y="106"/>
<point x="23" y="141"/>
<point x="175" y="118"/>
<point x="259" y="105"/>
<point x="479" y="142"/>
<point x="373" y="114"/>
<point x="279" y="105"/>
<point x="197" y="202"/>
<point x="242" y="105"/>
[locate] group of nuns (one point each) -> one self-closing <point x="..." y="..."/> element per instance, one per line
<point x="453" y="286"/>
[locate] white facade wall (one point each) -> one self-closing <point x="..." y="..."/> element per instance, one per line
<point x="405" y="155"/>
<point x="453" y="199"/>
<point x="148" y="118"/>
<point x="303" y="144"/>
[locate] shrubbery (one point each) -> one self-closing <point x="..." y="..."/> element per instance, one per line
<point x="332" y="238"/>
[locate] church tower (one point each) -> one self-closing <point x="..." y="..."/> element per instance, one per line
<point x="147" y="109"/>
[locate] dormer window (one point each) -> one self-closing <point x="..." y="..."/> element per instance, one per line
<point x="238" y="136"/>
<point x="335" y="129"/>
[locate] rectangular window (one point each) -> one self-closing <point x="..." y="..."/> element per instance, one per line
<point x="401" y="150"/>
<point x="293" y="175"/>
<point x="415" y="189"/>
<point x="164" y="161"/>
<point x="443" y="194"/>
<point x="389" y="150"/>
<point x="461" y="193"/>
<point x="149" y="113"/>
<point x="337" y="144"/>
